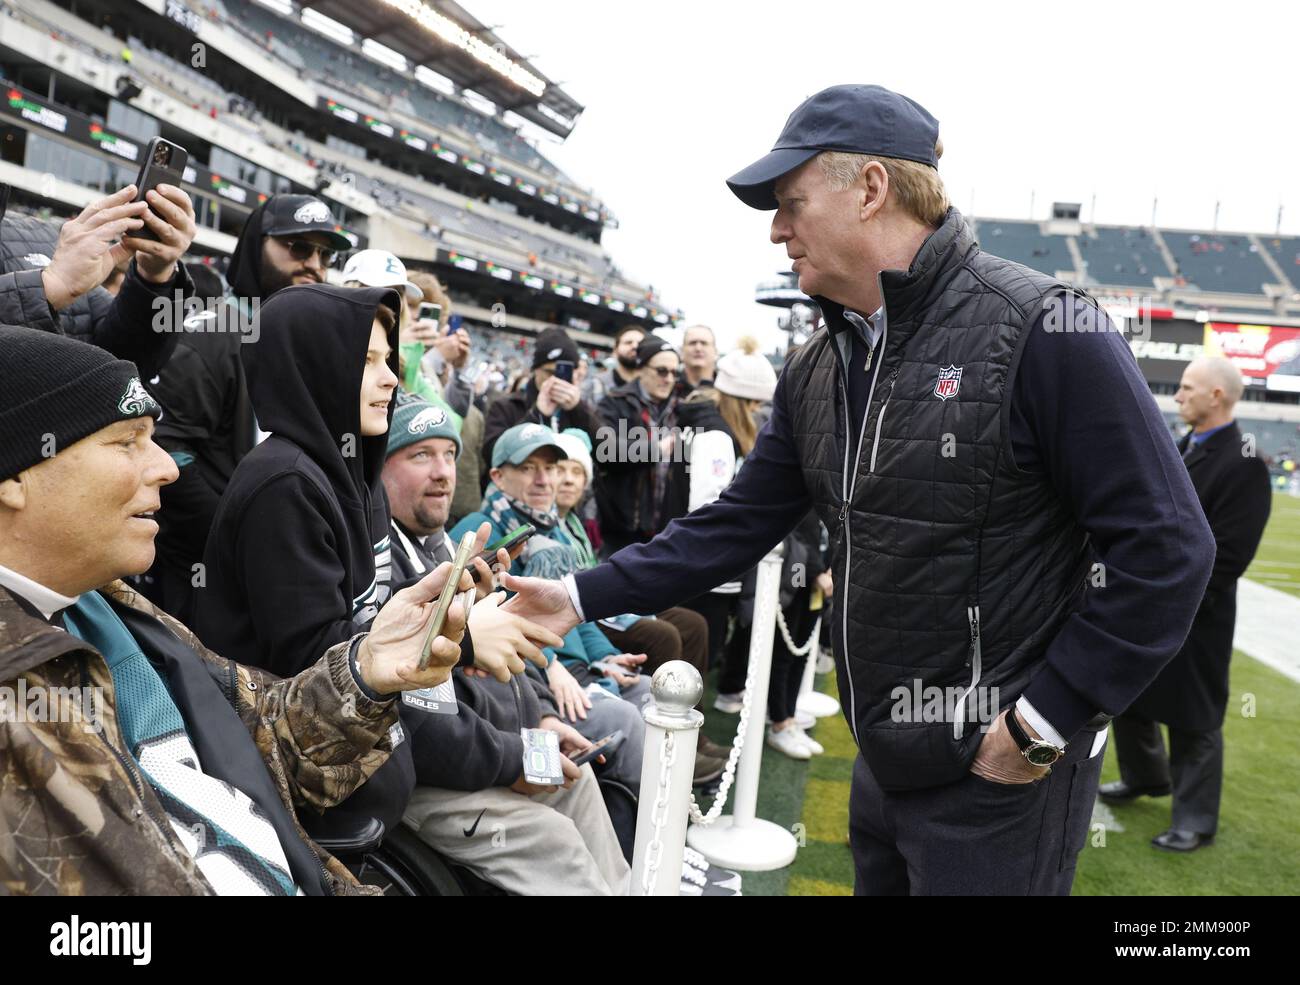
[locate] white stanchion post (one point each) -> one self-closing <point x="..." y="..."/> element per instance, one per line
<point x="814" y="702"/>
<point x="672" y="728"/>
<point x="742" y="840"/>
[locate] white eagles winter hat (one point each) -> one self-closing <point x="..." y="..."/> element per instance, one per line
<point x="745" y="373"/>
<point x="379" y="268"/>
<point x="577" y="445"/>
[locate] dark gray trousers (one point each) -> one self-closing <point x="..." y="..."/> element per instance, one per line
<point x="975" y="837"/>
<point x="1194" y="768"/>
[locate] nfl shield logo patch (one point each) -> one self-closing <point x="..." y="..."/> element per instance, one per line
<point x="949" y="382"/>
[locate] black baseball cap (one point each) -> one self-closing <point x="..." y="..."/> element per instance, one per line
<point x="289" y="214"/>
<point x="856" y="119"/>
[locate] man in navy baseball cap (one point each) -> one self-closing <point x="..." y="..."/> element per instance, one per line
<point x="972" y="449"/>
<point x="856" y="119"/>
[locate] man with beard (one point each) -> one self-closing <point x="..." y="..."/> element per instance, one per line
<point x="623" y="372"/>
<point x="208" y="424"/>
<point x="544" y="399"/>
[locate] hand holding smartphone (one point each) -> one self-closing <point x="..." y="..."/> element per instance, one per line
<point x="164" y="164"/>
<point x="449" y="592"/>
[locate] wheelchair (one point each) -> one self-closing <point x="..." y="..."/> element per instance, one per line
<point x="401" y="864"/>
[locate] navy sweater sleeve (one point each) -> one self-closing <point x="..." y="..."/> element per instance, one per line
<point x="715" y="543"/>
<point x="1082" y="414"/>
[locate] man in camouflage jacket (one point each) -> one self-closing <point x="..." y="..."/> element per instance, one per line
<point x="75" y="814"/>
<point x="132" y="758"/>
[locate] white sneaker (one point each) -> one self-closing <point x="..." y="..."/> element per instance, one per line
<point x="805" y="719"/>
<point x="729" y="704"/>
<point x="814" y="747"/>
<point x="789" y="742"/>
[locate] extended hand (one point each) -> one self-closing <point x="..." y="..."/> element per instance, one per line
<point x="503" y="640"/>
<point x="541" y="601"/>
<point x="389" y="656"/>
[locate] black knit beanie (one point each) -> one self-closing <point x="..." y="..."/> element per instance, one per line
<point x="54" y="391"/>
<point x="553" y="344"/>
<point x="650" y="347"/>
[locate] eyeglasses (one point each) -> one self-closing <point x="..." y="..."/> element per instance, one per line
<point x="663" y="371"/>
<point x="302" y="250"/>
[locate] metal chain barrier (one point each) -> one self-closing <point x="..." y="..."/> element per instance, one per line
<point x="738" y="744"/>
<point x="659" y="815"/>
<point x="798" y="651"/>
<point x="733" y="758"/>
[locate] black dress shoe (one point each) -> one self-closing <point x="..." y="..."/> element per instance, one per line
<point x="1119" y="792"/>
<point x="1174" y="840"/>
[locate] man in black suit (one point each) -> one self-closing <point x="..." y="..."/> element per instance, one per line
<point x="1191" y="693"/>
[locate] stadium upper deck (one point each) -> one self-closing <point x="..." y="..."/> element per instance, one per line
<point x="258" y="119"/>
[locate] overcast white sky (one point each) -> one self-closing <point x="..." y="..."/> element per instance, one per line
<point x="1187" y="102"/>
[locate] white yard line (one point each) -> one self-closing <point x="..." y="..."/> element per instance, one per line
<point x="1268" y="626"/>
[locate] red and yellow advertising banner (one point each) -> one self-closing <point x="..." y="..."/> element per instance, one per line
<point x="1263" y="352"/>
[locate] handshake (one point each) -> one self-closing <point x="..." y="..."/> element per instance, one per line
<point x="389" y="657"/>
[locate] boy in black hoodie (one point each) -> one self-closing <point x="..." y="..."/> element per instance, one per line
<point x="297" y="558"/>
<point x="298" y="552"/>
<point x="298" y="555"/>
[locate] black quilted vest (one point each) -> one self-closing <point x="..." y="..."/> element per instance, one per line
<point x="952" y="568"/>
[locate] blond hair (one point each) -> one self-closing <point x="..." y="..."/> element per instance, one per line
<point x="734" y="410"/>
<point x="917" y="188"/>
<point x="434" y="292"/>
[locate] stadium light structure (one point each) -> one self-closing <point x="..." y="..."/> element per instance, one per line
<point x="440" y="83"/>
<point x="381" y="53"/>
<point x="282" y="7"/>
<point x="452" y="33"/>
<point x="341" y="33"/>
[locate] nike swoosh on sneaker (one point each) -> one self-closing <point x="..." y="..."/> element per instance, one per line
<point x="469" y="832"/>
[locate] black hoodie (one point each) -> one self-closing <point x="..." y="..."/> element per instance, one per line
<point x="244" y="274"/>
<point x="298" y="554"/>
<point x="207" y="424"/>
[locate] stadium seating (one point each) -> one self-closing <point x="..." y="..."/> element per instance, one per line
<point x="1286" y="250"/>
<point x="1024" y="243"/>
<point x="1218" y="262"/>
<point x="1122" y="256"/>
<point x="350" y="70"/>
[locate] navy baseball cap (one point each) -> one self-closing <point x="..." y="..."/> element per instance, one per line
<point x="856" y="119"/>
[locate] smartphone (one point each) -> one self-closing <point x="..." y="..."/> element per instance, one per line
<point x="164" y="164"/>
<point x="602" y="666"/>
<point x="564" y="370"/>
<point x="429" y="310"/>
<point x="449" y="592"/>
<point x="510" y="541"/>
<point x="453" y="324"/>
<point x="608" y="744"/>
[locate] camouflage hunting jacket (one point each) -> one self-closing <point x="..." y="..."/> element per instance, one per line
<point x="76" y="816"/>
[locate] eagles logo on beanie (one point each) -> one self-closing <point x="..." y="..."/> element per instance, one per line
<point x="415" y="419"/>
<point x="553" y="344"/>
<point x="58" y="390"/>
